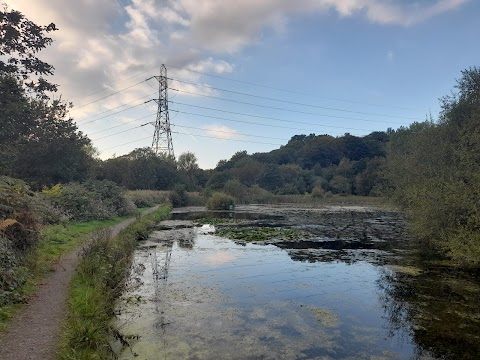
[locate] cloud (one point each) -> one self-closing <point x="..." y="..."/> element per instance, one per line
<point x="101" y="43"/>
<point x="227" y="27"/>
<point x="221" y="131"/>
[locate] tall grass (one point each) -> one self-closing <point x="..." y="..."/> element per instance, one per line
<point x="99" y="280"/>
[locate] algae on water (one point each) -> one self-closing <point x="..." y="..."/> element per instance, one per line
<point x="325" y="317"/>
<point x="407" y="270"/>
<point x="260" y="233"/>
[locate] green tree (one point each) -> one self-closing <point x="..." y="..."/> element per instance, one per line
<point x="187" y="162"/>
<point x="40" y="143"/>
<point x="21" y="40"/>
<point x="433" y="171"/>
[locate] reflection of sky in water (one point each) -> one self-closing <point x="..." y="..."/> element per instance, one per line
<point x="223" y="300"/>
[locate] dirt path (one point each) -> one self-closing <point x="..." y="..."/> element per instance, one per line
<point x="35" y="331"/>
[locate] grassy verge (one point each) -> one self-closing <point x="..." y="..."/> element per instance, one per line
<point x="55" y="241"/>
<point x="98" y="281"/>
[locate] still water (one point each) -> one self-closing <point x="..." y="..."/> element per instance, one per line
<point x="194" y="295"/>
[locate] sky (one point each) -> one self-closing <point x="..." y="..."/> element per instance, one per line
<point x="250" y="74"/>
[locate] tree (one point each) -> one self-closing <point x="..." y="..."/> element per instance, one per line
<point x="39" y="142"/>
<point x="21" y="40"/>
<point x="140" y="169"/>
<point x="433" y="172"/>
<point x="187" y="162"/>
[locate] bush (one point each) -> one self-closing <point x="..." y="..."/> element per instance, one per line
<point x="92" y="200"/>
<point x="195" y="199"/>
<point x="220" y="201"/>
<point x="148" y="198"/>
<point x="318" y="192"/>
<point x="179" y="197"/>
<point x="19" y="224"/>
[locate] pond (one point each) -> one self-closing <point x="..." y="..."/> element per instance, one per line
<point x="195" y="295"/>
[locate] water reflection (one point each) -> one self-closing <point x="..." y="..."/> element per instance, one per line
<point x="440" y="308"/>
<point x="254" y="302"/>
<point x="206" y="297"/>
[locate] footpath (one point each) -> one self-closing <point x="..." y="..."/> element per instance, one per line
<point x="35" y="332"/>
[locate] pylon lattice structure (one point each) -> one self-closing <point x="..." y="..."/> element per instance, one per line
<point x="162" y="137"/>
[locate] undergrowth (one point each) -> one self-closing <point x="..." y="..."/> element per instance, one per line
<point x="98" y="282"/>
<point x="54" y="241"/>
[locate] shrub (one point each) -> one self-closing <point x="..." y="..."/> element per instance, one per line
<point x="92" y="200"/>
<point x="148" y="198"/>
<point x="195" y="199"/>
<point x="220" y="201"/>
<point x="179" y="197"/>
<point x="19" y="225"/>
<point x="318" y="192"/>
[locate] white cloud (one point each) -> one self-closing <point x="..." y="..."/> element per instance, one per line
<point x="221" y="131"/>
<point x="228" y="26"/>
<point x="101" y="42"/>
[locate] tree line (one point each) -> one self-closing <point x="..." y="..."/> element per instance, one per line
<point x="430" y="169"/>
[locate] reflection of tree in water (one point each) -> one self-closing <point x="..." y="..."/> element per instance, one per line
<point x="439" y="310"/>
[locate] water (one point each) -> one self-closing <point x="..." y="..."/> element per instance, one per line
<point x="206" y="297"/>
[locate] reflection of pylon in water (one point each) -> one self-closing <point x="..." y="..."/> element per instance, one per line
<point x="161" y="273"/>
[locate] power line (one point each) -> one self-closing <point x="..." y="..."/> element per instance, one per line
<point x="259" y="116"/>
<point x="118" y="107"/>
<point x="128" y="122"/>
<point x="267" y="125"/>
<point x="107" y="96"/>
<point x="192" y="127"/>
<point x="205" y="136"/>
<point x="115" y="83"/>
<point x="287" y="90"/>
<point x="290" y="102"/>
<point x="229" y="132"/>
<point x="118" y="112"/>
<point x="231" y="120"/>
<point x="289" y="110"/>
<point x="130" y="142"/>
<point x="121" y="132"/>
<point x="219" y="138"/>
<point x="214" y="117"/>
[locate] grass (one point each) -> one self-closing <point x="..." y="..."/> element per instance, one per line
<point x="97" y="283"/>
<point x="55" y="241"/>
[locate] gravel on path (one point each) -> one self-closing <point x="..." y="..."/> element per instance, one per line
<point x="36" y="329"/>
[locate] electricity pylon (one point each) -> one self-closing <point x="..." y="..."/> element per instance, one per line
<point x="162" y="137"/>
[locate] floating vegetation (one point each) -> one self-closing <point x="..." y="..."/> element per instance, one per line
<point x="407" y="270"/>
<point x="325" y="317"/>
<point x="260" y="233"/>
<point x="215" y="221"/>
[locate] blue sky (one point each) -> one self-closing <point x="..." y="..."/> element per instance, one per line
<point x="375" y="64"/>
